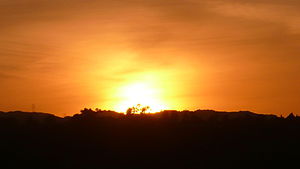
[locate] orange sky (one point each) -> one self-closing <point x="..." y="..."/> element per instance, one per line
<point x="64" y="55"/>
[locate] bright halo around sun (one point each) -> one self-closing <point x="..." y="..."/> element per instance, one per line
<point x="140" y="93"/>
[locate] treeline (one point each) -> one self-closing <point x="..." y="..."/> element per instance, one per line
<point x="168" y="139"/>
<point x="198" y="115"/>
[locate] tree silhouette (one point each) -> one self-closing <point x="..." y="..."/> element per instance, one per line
<point x="138" y="109"/>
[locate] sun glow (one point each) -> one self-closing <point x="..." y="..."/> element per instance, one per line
<point x="144" y="94"/>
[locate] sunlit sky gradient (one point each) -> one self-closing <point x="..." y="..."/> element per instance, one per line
<point x="64" y="55"/>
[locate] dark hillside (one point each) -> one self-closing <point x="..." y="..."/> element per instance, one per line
<point x="169" y="139"/>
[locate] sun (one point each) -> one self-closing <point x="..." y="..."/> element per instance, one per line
<point x="141" y="93"/>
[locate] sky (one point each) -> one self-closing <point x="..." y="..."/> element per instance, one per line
<point x="64" y="55"/>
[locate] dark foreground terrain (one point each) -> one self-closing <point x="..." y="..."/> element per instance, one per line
<point x="104" y="139"/>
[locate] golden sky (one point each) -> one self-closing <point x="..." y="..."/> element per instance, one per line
<point x="64" y="55"/>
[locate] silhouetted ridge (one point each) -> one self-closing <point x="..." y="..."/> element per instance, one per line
<point x="168" y="139"/>
<point x="25" y="116"/>
<point x="198" y="114"/>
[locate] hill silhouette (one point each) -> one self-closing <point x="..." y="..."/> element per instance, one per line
<point x="167" y="139"/>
